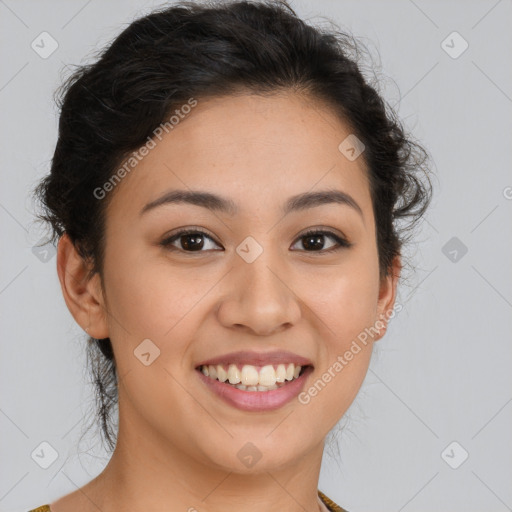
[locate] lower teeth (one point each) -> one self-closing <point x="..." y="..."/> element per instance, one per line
<point x="258" y="387"/>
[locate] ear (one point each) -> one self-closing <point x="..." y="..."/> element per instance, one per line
<point x="387" y="296"/>
<point x="83" y="296"/>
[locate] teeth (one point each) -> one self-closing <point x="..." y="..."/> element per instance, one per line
<point x="259" y="387"/>
<point x="267" y="376"/>
<point x="250" y="379"/>
<point x="233" y="374"/>
<point x="222" y="374"/>
<point x="249" y="376"/>
<point x="280" y="373"/>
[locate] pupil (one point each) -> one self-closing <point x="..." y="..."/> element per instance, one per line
<point x="196" y="239"/>
<point x="313" y="240"/>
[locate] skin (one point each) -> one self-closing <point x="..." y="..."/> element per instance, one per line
<point x="177" y="445"/>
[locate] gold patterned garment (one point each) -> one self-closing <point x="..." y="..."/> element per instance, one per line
<point x="331" y="506"/>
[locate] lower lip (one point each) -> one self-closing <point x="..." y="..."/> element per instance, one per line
<point x="257" y="400"/>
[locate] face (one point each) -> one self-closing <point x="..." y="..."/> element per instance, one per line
<point x="248" y="278"/>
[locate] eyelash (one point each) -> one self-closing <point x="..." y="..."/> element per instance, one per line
<point x="342" y="242"/>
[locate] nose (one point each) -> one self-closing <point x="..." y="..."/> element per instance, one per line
<point x="259" y="298"/>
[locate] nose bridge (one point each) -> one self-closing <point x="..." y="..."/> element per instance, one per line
<point x="259" y="298"/>
<point x="262" y="275"/>
<point x="257" y="261"/>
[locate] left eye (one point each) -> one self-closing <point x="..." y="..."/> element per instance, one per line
<point x="313" y="238"/>
<point x="193" y="240"/>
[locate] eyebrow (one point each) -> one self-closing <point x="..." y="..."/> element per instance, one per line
<point x="218" y="203"/>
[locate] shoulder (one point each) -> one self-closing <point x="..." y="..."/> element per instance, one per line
<point x="332" y="507"/>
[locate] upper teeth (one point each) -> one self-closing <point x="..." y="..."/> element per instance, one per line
<point x="249" y="374"/>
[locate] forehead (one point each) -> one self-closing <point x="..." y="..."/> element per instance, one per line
<point x="256" y="150"/>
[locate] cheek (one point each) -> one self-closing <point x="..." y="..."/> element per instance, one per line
<point x="344" y="301"/>
<point x="151" y="303"/>
<point x="146" y="297"/>
<point x="343" y="305"/>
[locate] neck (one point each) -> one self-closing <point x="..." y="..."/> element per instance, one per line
<point x="147" y="472"/>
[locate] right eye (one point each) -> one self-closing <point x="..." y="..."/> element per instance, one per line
<point x="191" y="240"/>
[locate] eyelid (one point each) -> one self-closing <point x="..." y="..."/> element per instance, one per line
<point x="189" y="229"/>
<point x="323" y="229"/>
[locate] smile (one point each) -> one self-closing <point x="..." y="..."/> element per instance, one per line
<point x="245" y="389"/>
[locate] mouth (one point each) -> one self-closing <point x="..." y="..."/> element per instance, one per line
<point x="255" y="388"/>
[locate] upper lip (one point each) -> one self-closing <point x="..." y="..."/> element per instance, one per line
<point x="258" y="358"/>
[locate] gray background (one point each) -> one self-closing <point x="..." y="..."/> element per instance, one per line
<point x="443" y="371"/>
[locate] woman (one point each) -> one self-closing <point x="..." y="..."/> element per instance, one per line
<point x="224" y="192"/>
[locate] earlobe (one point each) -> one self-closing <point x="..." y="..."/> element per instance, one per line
<point x="387" y="297"/>
<point x="82" y="294"/>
